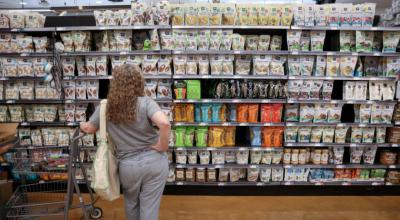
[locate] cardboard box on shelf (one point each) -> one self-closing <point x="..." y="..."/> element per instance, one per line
<point x="8" y="132"/>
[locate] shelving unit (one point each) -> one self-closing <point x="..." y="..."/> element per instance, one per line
<point x="238" y="147"/>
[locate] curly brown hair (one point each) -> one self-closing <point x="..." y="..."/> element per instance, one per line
<point x="125" y="88"/>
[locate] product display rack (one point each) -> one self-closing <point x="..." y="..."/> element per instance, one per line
<point x="257" y="29"/>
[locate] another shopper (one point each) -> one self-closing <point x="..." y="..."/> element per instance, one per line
<point x="141" y="147"/>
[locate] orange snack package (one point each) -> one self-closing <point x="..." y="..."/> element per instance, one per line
<point x="216" y="137"/>
<point x="178" y="116"/>
<point x="266" y="110"/>
<point x="189" y="112"/>
<point x="267" y="136"/>
<point x="230" y="136"/>
<point x="242" y="113"/>
<point x="253" y="113"/>
<point x="276" y="115"/>
<point x="277" y="137"/>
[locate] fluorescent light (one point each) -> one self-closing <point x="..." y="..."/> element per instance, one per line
<point x="23" y="3"/>
<point x="99" y="2"/>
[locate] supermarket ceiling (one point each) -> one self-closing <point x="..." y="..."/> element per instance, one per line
<point x="381" y="4"/>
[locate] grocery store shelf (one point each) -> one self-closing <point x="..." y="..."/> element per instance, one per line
<point x="37" y="101"/>
<point x="226" y="124"/>
<point x="114" y="53"/>
<point x="28" y="124"/>
<point x="227" y="77"/>
<point x="231" y="27"/>
<point x="313" y="124"/>
<point x="288" y="144"/>
<point x="342" y="101"/>
<point x="350" y="28"/>
<point x="229" y="101"/>
<point x="336" y="183"/>
<point x="83" y="101"/>
<point x="30" y="78"/>
<point x="352" y="78"/>
<point x="232" y="52"/>
<point x="108" y="77"/>
<point x="51" y="147"/>
<point x="99" y="28"/>
<point x="227" y="148"/>
<point x="239" y="183"/>
<point x="285" y="183"/>
<point x="15" y="30"/>
<point x="216" y="166"/>
<point x="26" y="54"/>
<point x="340" y="166"/>
<point x="338" y="53"/>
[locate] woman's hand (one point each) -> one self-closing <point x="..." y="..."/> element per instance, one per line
<point x="88" y="128"/>
<point x="158" y="147"/>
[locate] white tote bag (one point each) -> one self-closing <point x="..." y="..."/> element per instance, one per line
<point x="105" y="166"/>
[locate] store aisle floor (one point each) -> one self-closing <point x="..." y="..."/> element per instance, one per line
<point x="267" y="207"/>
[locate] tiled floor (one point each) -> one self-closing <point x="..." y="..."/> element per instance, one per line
<point x="267" y="207"/>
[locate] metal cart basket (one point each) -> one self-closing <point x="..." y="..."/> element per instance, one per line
<point x="53" y="198"/>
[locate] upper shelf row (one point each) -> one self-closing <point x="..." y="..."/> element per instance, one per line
<point x="149" y="27"/>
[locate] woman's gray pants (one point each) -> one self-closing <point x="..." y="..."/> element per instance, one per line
<point x="143" y="177"/>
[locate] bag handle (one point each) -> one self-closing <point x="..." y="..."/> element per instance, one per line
<point x="103" y="119"/>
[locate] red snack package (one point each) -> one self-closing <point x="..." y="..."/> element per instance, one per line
<point x="242" y="112"/>
<point x="276" y="115"/>
<point x="253" y="113"/>
<point x="266" y="116"/>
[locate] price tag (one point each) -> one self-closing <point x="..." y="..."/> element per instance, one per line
<point x="259" y="184"/>
<point x="10" y="101"/>
<point x="24" y="123"/>
<point x="180" y="148"/>
<point x="287" y="166"/>
<point x="339" y="166"/>
<point x="203" y="124"/>
<point x="179" y="183"/>
<point x="236" y="52"/>
<point x="376" y="183"/>
<point x="179" y="124"/>
<point x="205" y="77"/>
<point x="206" y="100"/>
<point x="389" y="184"/>
<point x="211" y="148"/>
<point x="395" y="145"/>
<point x="374" y="28"/>
<point x="265" y="101"/>
<point x="330" y="53"/>
<point x="354" y="54"/>
<point x="295" y="53"/>
<point x="179" y="166"/>
<point x="392" y="167"/>
<point x="225" y="124"/>
<point x="221" y="184"/>
<point x="69" y="101"/>
<point x="253" y="166"/>
<point x="346" y="184"/>
<point x="70" y="124"/>
<point x="289" y="144"/>
<point x="102" y="28"/>
<point x="24" y="54"/>
<point x="287" y="183"/>
<point x="60" y="29"/>
<point x="243" y="124"/>
<point x="353" y="145"/>
<point x="340" y="125"/>
<point x="362" y="125"/>
<point x="376" y="54"/>
<point x="319" y="144"/>
<point x="267" y="124"/>
<point x="235" y="100"/>
<point x="219" y="166"/>
<point x="236" y="77"/>
<point x="330" y="78"/>
<point x="123" y="53"/>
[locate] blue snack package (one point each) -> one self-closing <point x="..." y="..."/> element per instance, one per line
<point x="232" y="112"/>
<point x="255" y="136"/>
<point x="197" y="112"/>
<point x="216" y="108"/>
<point x="205" y="113"/>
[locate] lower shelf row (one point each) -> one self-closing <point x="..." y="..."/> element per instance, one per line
<point x="279" y="175"/>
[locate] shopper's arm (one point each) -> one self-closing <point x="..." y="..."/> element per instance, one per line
<point x="162" y="122"/>
<point x="88" y="127"/>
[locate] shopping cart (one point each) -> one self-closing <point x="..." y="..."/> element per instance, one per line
<point x="59" y="193"/>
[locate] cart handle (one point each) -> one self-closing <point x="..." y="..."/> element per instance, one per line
<point x="78" y="135"/>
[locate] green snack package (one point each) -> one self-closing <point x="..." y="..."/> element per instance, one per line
<point x="201" y="136"/>
<point x="364" y="174"/>
<point x="180" y="136"/>
<point x="147" y="45"/>
<point x="193" y="89"/>
<point x="189" y="137"/>
<point x="180" y="89"/>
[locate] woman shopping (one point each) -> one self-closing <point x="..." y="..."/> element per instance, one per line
<point x="141" y="146"/>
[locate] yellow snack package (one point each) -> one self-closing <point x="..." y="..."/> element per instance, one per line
<point x="274" y="15"/>
<point x="216" y="137"/>
<point x="191" y="13"/>
<point x="215" y="14"/>
<point x="228" y="14"/>
<point x="242" y="11"/>
<point x="263" y="13"/>
<point x="178" y="14"/>
<point x="230" y="135"/>
<point x="287" y="15"/>
<point x="203" y="14"/>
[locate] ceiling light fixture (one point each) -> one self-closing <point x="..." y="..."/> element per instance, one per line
<point x="23" y="3"/>
<point x="99" y="2"/>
